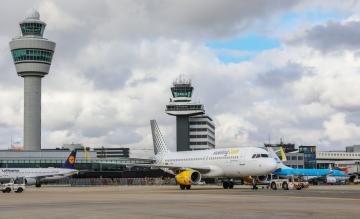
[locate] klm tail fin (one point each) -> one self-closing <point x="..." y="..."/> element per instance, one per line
<point x="70" y="161"/>
<point x="158" y="140"/>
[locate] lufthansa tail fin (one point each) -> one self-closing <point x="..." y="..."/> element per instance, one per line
<point x="70" y="161"/>
<point x="158" y="140"/>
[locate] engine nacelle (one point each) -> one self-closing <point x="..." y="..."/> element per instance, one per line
<point x="30" y="181"/>
<point x="188" y="177"/>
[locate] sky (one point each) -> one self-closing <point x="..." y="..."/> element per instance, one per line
<point x="265" y="70"/>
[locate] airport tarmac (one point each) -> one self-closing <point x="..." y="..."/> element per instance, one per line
<point x="169" y="202"/>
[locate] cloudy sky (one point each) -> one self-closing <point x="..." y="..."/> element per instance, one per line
<point x="265" y="70"/>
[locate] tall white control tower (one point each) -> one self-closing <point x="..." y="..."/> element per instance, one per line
<point x="32" y="56"/>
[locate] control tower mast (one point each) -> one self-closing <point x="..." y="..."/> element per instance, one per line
<point x="32" y="55"/>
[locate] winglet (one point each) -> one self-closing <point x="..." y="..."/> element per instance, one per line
<point x="158" y="139"/>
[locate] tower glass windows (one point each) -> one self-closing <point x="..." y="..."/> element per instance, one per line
<point x="184" y="107"/>
<point x="32" y="28"/>
<point x="40" y="55"/>
<point x="182" y="91"/>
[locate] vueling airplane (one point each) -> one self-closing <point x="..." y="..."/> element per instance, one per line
<point x="190" y="166"/>
<point x="36" y="176"/>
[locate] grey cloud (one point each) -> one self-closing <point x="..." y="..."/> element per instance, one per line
<point x="135" y="42"/>
<point x="332" y="37"/>
<point x="142" y="81"/>
<point x="123" y="136"/>
<point x="287" y="74"/>
<point x="108" y="77"/>
<point x="184" y="19"/>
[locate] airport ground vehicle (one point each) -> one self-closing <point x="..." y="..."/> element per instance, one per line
<point x="356" y="180"/>
<point x="17" y="185"/>
<point x="288" y="183"/>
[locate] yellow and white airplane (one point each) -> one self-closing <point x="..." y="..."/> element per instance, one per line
<point x="190" y="166"/>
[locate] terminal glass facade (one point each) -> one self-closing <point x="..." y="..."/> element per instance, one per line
<point x="309" y="156"/>
<point x="20" y="55"/>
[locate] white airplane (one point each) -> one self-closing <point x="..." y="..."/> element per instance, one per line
<point x="190" y="166"/>
<point x="36" y="176"/>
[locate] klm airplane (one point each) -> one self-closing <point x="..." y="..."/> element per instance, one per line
<point x="329" y="175"/>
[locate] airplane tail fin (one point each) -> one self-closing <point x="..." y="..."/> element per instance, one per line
<point x="70" y="161"/>
<point x="158" y="139"/>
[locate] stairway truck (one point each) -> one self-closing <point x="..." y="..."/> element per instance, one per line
<point x="288" y="184"/>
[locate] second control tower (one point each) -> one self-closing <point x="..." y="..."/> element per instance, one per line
<point x="188" y="112"/>
<point x="32" y="55"/>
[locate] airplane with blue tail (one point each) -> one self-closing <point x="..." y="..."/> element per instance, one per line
<point x="329" y="175"/>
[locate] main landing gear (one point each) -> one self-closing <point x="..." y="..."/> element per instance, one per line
<point x="228" y="185"/>
<point x="183" y="187"/>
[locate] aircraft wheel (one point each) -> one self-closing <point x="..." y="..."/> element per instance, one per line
<point x="188" y="187"/>
<point x="273" y="186"/>
<point x="38" y="185"/>
<point x="226" y="185"/>
<point x="19" y="190"/>
<point x="182" y="187"/>
<point x="231" y="185"/>
<point x="285" y="186"/>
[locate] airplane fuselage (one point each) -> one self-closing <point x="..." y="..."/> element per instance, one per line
<point x="43" y="173"/>
<point x="227" y="162"/>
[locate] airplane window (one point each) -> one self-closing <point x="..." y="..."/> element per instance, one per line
<point x="256" y="156"/>
<point x="264" y="155"/>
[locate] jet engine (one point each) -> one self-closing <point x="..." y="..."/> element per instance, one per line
<point x="30" y="181"/>
<point x="188" y="177"/>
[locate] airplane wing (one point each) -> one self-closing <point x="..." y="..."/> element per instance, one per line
<point x="201" y="169"/>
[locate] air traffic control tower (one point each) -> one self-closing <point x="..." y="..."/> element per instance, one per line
<point x="32" y="55"/>
<point x="194" y="129"/>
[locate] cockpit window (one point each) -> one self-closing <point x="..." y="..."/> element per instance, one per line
<point x="260" y="155"/>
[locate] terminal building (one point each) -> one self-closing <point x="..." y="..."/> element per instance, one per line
<point x="194" y="129"/>
<point x="99" y="162"/>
